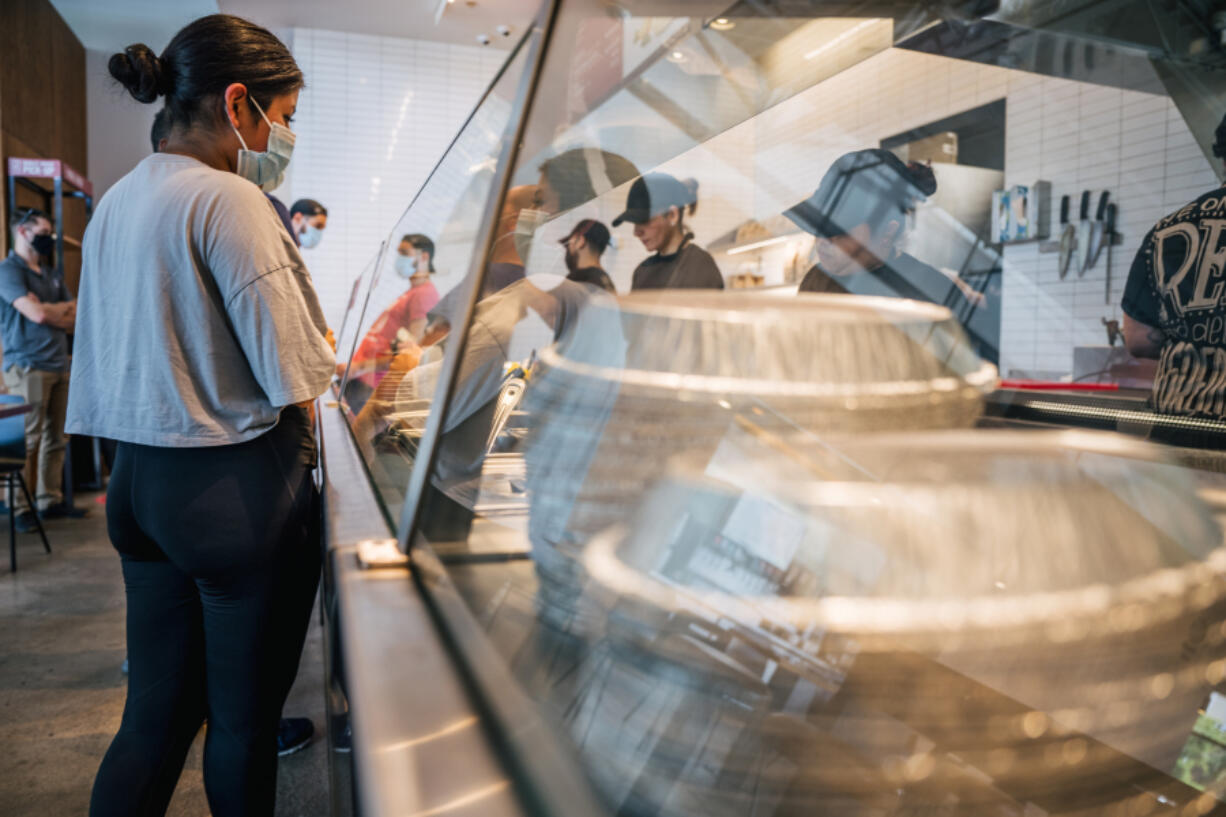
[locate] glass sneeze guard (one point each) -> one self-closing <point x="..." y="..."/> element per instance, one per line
<point x="648" y="518"/>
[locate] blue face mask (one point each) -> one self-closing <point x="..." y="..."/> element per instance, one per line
<point x="310" y="239"/>
<point x="267" y="168"/>
<point x="406" y="266"/>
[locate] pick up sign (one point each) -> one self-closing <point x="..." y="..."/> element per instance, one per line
<point x="49" y="169"/>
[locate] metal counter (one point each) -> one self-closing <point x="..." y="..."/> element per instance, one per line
<point x="419" y="745"/>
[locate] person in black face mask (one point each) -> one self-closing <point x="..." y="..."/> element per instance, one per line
<point x="584" y="246"/>
<point x="36" y="314"/>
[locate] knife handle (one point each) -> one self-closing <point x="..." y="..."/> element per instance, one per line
<point x="1109" y="228"/>
<point x="1085" y="205"/>
<point x="1064" y="202"/>
<point x="1102" y="206"/>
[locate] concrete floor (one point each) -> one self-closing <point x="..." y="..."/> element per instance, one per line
<point x="62" y="694"/>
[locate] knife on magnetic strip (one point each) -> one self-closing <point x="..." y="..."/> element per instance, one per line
<point x="1097" y="231"/>
<point x="1085" y="228"/>
<point x="1068" y="237"/>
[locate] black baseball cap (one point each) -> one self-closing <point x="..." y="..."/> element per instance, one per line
<point x="597" y="234"/>
<point x="653" y="194"/>
<point x="865" y="186"/>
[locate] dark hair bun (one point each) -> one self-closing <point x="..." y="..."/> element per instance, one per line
<point x="141" y="72"/>
<point x="922" y="177"/>
<point x="691" y="186"/>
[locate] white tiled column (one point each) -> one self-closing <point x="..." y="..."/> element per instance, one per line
<point x="376" y="115"/>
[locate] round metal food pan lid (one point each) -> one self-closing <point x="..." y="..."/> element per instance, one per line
<point x="1090" y="610"/>
<point x="733" y="307"/>
<point x="983" y="380"/>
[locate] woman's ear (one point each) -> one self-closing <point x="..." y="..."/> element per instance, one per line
<point x="233" y="97"/>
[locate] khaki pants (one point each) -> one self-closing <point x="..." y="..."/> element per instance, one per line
<point x="47" y="393"/>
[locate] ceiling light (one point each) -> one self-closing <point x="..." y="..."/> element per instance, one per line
<point x="722" y="24"/>
<point x="846" y="35"/>
<point x="677" y="56"/>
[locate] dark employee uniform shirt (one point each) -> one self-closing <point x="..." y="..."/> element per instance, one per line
<point x="593" y="276"/>
<point x="904" y="277"/>
<point x="691" y="267"/>
<point x="1176" y="285"/>
<point x="908" y="277"/>
<point x="26" y="343"/>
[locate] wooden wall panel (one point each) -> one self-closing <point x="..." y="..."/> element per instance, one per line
<point x="42" y="102"/>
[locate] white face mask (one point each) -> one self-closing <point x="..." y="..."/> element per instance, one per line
<point x="406" y="266"/>
<point x="525" y="226"/>
<point x="266" y="169"/>
<point x="311" y="237"/>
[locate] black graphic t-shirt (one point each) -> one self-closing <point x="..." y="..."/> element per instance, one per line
<point x="1178" y="284"/>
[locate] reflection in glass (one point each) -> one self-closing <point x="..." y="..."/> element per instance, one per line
<point x="607" y="418"/>
<point x="971" y="618"/>
<point x="427" y="255"/>
<point x="744" y="548"/>
<point x="347" y="336"/>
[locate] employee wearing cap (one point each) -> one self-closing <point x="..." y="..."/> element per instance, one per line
<point x="657" y="205"/>
<point x="859" y="214"/>
<point x="584" y="246"/>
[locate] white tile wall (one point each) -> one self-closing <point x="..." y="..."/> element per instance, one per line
<point x="1080" y="136"/>
<point x="1075" y="135"/>
<point x="375" y="117"/>
<point x="378" y="112"/>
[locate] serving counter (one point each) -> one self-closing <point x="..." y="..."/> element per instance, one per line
<point x="688" y="552"/>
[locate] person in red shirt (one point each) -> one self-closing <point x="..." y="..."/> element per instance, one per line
<point x="402" y="324"/>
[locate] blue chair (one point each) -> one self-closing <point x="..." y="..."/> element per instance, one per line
<point x="12" y="463"/>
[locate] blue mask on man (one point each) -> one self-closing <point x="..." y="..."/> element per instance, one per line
<point x="310" y="237"/>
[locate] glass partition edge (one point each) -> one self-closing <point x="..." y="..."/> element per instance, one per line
<point x="473" y="282"/>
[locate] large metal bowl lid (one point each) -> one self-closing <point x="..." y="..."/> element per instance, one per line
<point x="928" y="534"/>
<point x="815" y="347"/>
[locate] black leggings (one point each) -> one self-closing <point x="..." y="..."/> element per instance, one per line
<point x="221" y="558"/>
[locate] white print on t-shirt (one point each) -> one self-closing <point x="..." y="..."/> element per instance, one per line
<point x="1208" y="256"/>
<point x="1191" y="380"/>
<point x="1187" y="260"/>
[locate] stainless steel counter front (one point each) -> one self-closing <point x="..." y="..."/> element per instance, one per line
<point x="419" y="745"/>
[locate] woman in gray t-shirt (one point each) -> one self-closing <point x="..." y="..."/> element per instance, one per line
<point x="200" y="345"/>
